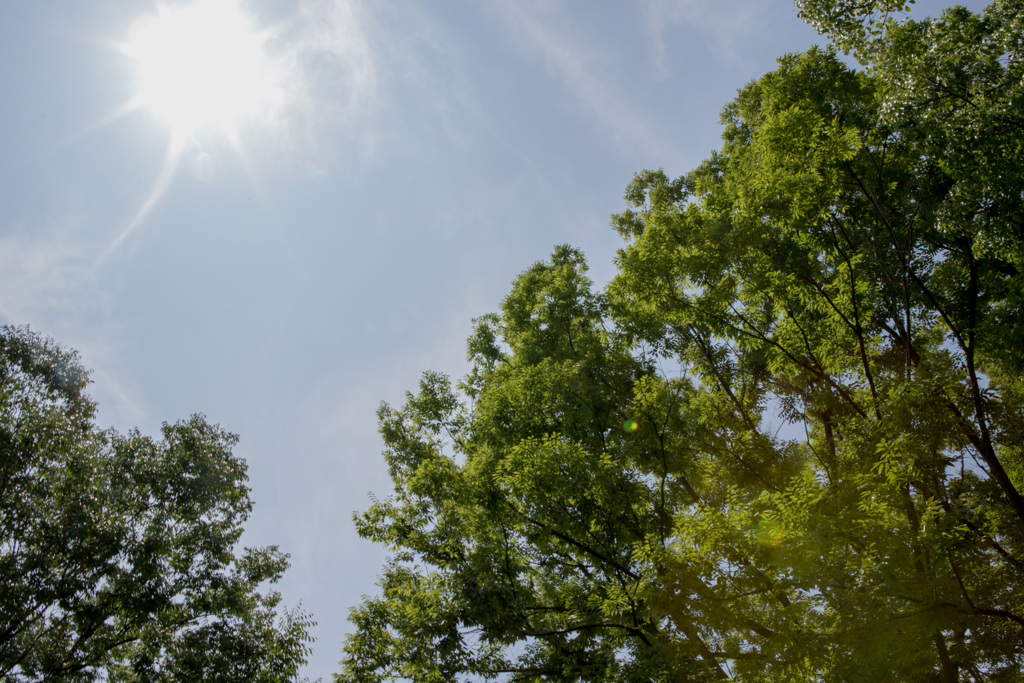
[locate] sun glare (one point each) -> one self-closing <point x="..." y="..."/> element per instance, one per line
<point x="201" y="64"/>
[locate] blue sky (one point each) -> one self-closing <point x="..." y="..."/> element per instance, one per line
<point x="285" y="274"/>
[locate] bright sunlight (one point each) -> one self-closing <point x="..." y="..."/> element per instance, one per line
<point x="202" y="64"/>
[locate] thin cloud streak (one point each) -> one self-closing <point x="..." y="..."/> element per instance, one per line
<point x="46" y="280"/>
<point x="333" y="79"/>
<point x="37" y="276"/>
<point x="575" y="65"/>
<point x="724" y="24"/>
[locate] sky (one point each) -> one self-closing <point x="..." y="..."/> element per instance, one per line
<point x="284" y="255"/>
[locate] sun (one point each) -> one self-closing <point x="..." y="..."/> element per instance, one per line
<point x="201" y="64"/>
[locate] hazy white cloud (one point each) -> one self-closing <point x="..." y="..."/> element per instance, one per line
<point x="582" y="67"/>
<point x="353" y="65"/>
<point x="326" y="50"/>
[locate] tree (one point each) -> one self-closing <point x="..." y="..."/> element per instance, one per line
<point x="117" y="552"/>
<point x="519" y="523"/>
<point x="787" y="442"/>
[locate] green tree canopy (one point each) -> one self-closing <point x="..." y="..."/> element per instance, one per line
<point x="786" y="442"/>
<point x="519" y="521"/>
<point x="117" y="552"/>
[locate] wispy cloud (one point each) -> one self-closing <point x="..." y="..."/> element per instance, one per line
<point x="48" y="279"/>
<point x="38" y="275"/>
<point x="725" y="24"/>
<point x="582" y="67"/>
<point x="393" y="59"/>
<point x="333" y="78"/>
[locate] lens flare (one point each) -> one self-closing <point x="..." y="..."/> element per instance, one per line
<point x="629" y="426"/>
<point x="769" y="533"/>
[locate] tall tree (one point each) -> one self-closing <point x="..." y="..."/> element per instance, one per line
<point x="518" y="523"/>
<point x="117" y="552"/>
<point x="787" y="443"/>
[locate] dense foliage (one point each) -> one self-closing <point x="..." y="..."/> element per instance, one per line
<point x="117" y="552"/>
<point x="786" y="442"/>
